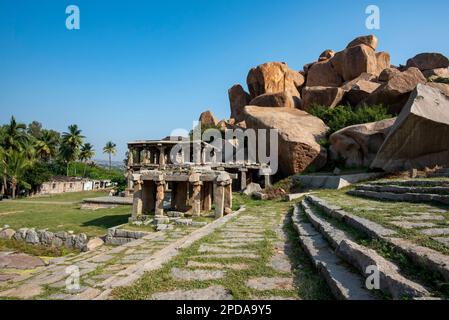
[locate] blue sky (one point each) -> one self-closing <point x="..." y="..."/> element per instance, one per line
<point x="139" y="69"/>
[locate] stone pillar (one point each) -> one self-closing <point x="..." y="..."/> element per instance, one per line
<point x="137" y="200"/>
<point x="148" y="196"/>
<point x="130" y="157"/>
<point x="228" y="197"/>
<point x="267" y="179"/>
<point x="195" y="196"/>
<point x="243" y="179"/>
<point x="221" y="191"/>
<point x="161" y="156"/>
<point x="219" y="199"/>
<point x="181" y="196"/>
<point x="160" y="193"/>
<point x="206" y="196"/>
<point x="173" y="195"/>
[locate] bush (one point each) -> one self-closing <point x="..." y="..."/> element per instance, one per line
<point x="344" y="116"/>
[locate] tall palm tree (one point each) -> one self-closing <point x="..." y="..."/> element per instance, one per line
<point x="3" y="169"/>
<point x="47" y="145"/>
<point x="86" y="154"/>
<point x="15" y="136"/>
<point x="71" y="143"/>
<point x="16" y="167"/>
<point x="110" y="149"/>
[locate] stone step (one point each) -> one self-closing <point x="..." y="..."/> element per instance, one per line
<point x="404" y="189"/>
<point x="422" y="257"/>
<point x="403" y="197"/>
<point x="360" y="257"/>
<point x="344" y="284"/>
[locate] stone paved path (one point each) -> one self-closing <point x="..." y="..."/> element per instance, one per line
<point x="248" y="258"/>
<point x="101" y="269"/>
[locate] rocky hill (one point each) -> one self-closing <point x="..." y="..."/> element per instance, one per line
<point x="280" y="97"/>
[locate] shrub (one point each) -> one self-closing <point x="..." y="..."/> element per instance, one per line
<point x="344" y="116"/>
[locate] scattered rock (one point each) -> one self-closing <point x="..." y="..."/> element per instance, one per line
<point x="322" y="96"/>
<point x="207" y="118"/>
<point x="299" y="133"/>
<point x="251" y="188"/>
<point x="273" y="77"/>
<point x="93" y="244"/>
<point x="7" y="234"/>
<point x="32" y="237"/>
<point x="411" y="141"/>
<point x="370" y="40"/>
<point x="428" y="61"/>
<point x="238" y="99"/>
<point x="323" y="74"/>
<point x="396" y="91"/>
<point x="280" y="100"/>
<point x="359" y="144"/>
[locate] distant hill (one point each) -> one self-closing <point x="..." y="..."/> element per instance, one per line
<point x="105" y="164"/>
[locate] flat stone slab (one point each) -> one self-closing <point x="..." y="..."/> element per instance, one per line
<point x="424" y="217"/>
<point x="24" y="291"/>
<point x="216" y="265"/>
<point x="211" y="293"/>
<point x="228" y="256"/>
<point x="200" y="274"/>
<point x="412" y="225"/>
<point x="20" y="261"/>
<point x="435" y="232"/>
<point x="280" y="262"/>
<point x="444" y="241"/>
<point x="206" y="248"/>
<point x="230" y="244"/>
<point x="101" y="258"/>
<point x="265" y="283"/>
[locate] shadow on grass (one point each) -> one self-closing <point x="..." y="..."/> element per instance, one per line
<point x="106" y="222"/>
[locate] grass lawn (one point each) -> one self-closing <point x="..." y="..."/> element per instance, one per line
<point x="68" y="197"/>
<point x="63" y="216"/>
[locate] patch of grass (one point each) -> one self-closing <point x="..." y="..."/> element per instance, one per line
<point x="42" y="251"/>
<point x="62" y="217"/>
<point x="68" y="196"/>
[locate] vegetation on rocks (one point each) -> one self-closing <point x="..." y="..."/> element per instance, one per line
<point x="343" y="116"/>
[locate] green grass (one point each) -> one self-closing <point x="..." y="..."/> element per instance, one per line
<point x="68" y="197"/>
<point x="62" y="217"/>
<point x="383" y="212"/>
<point x="308" y="285"/>
<point x="41" y="251"/>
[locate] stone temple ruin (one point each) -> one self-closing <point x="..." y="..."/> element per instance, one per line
<point x="189" y="184"/>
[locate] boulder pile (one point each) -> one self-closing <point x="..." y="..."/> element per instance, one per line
<point x="280" y="97"/>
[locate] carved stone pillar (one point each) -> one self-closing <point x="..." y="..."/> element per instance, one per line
<point x="160" y="193"/>
<point x="137" y="200"/>
<point x="161" y="156"/>
<point x="222" y="198"/>
<point x="195" y="196"/>
<point x="206" y="196"/>
<point x="228" y="197"/>
<point x="243" y="178"/>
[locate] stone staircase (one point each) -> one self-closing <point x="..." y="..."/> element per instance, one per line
<point x="443" y="172"/>
<point x="421" y="191"/>
<point x="345" y="264"/>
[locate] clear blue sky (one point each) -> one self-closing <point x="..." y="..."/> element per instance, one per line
<point x="138" y="69"/>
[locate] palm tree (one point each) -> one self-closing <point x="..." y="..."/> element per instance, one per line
<point x="15" y="136"/>
<point x="110" y="149"/>
<point x="87" y="153"/>
<point x="71" y="143"/>
<point x="3" y="169"/>
<point x="47" y="145"/>
<point x="16" y="167"/>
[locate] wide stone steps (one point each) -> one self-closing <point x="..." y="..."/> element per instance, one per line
<point x="362" y="258"/>
<point x="422" y="257"/>
<point x="405" y="189"/>
<point x="343" y="282"/>
<point x="400" y="197"/>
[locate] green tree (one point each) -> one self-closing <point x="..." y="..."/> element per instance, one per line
<point x="35" y="129"/>
<point x="16" y="167"/>
<point x="70" y="146"/>
<point x="110" y="149"/>
<point x="47" y="145"/>
<point x="15" y="136"/>
<point x="86" y="154"/>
